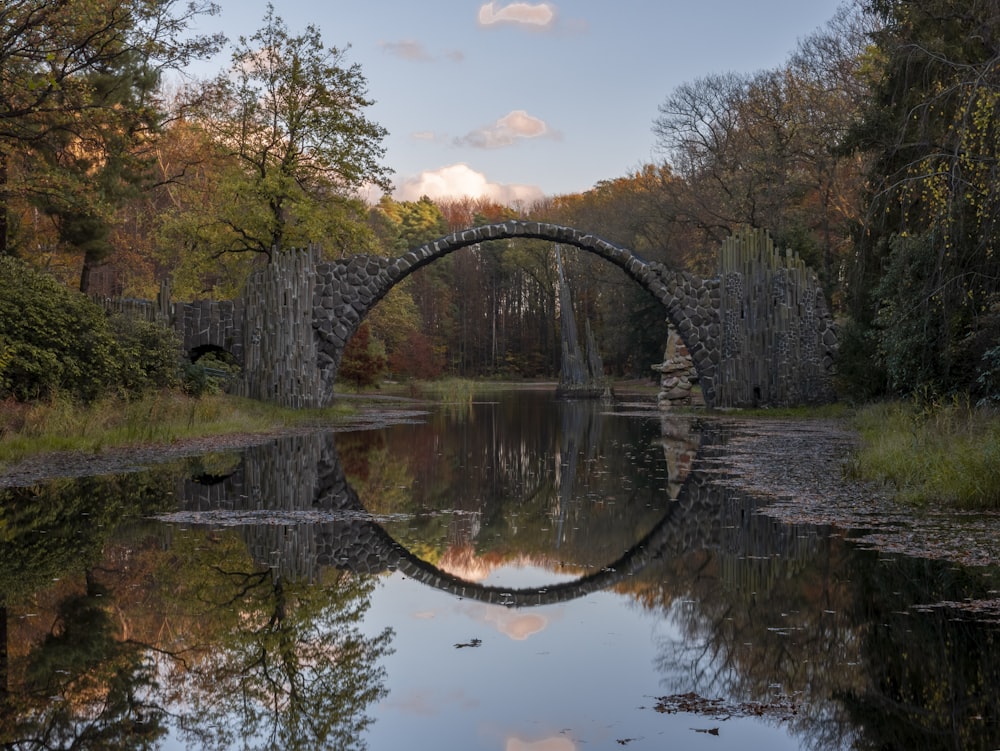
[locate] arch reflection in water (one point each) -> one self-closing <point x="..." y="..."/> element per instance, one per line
<point x="583" y="493"/>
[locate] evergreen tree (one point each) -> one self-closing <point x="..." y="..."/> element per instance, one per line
<point x="78" y="104"/>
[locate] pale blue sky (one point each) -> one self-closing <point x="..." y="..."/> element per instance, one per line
<point x="521" y="99"/>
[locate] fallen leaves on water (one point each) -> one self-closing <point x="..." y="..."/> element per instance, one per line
<point x="796" y="469"/>
<point x="721" y="709"/>
<point x="710" y="731"/>
<point x="981" y="610"/>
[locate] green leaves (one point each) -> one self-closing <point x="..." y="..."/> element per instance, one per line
<point x="55" y="340"/>
<point x="78" y="108"/>
<point x="289" y="121"/>
<point x="927" y="268"/>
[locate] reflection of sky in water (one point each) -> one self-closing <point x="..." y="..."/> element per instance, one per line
<point x="567" y="677"/>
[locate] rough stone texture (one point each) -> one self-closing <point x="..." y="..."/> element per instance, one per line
<point x="290" y="326"/>
<point x="778" y="343"/>
<point x="279" y="355"/>
<point x="677" y="373"/>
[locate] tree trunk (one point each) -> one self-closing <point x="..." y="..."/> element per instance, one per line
<point x="4" y="224"/>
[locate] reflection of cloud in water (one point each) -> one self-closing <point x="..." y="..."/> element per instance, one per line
<point x="520" y="627"/>
<point x="463" y="562"/>
<point x="546" y="744"/>
<point x="422" y="703"/>
<point x="513" y="624"/>
<point x="514" y="570"/>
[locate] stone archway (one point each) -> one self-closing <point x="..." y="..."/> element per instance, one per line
<point x="347" y="290"/>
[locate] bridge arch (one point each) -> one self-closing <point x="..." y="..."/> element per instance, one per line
<point x="346" y="291"/>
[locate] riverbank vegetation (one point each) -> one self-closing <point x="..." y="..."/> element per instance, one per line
<point x="158" y="418"/>
<point x="945" y="453"/>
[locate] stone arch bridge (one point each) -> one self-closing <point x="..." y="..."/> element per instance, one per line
<point x="290" y="326"/>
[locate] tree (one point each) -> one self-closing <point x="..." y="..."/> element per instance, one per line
<point x="78" y="85"/>
<point x="289" y="118"/>
<point x="926" y="285"/>
<point x="763" y="149"/>
<point x="364" y="358"/>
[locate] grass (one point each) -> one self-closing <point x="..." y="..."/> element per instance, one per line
<point x="943" y="454"/>
<point x="162" y="418"/>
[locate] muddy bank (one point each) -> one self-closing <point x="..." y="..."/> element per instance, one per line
<point x="798" y="469"/>
<point x="71" y="464"/>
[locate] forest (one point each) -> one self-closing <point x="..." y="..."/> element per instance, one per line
<point x="872" y="152"/>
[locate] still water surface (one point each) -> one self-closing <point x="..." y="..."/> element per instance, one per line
<point x="513" y="574"/>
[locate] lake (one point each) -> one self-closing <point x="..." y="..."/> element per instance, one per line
<point x="510" y="573"/>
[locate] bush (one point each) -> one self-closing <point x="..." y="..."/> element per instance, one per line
<point x="148" y="355"/>
<point x="51" y="339"/>
<point x="55" y="340"/>
<point x="209" y="374"/>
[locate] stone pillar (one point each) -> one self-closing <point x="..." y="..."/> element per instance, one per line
<point x="677" y="374"/>
<point x="279" y="346"/>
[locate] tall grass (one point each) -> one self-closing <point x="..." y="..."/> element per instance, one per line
<point x="942" y="453"/>
<point x="62" y="424"/>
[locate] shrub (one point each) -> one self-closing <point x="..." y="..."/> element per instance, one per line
<point x="148" y="355"/>
<point x="55" y="340"/>
<point x="51" y="338"/>
<point x="209" y="374"/>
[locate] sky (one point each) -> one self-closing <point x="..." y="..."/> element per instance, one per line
<point x="520" y="100"/>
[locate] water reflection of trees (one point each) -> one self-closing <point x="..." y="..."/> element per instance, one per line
<point x="526" y="478"/>
<point x="933" y="674"/>
<point x="139" y="628"/>
<point x="760" y="611"/>
<point x="147" y="628"/>
<point x="67" y="679"/>
<point x="268" y="663"/>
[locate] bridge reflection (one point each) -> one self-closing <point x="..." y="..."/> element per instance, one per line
<point x="298" y="512"/>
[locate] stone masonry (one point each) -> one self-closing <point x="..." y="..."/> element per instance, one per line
<point x="292" y="323"/>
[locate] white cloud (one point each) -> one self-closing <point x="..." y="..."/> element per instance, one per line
<point x="505" y="131"/>
<point x="408" y="49"/>
<point x="539" y="15"/>
<point x="558" y="743"/>
<point x="459" y="180"/>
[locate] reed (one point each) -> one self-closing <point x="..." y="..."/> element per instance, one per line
<point x="941" y="453"/>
